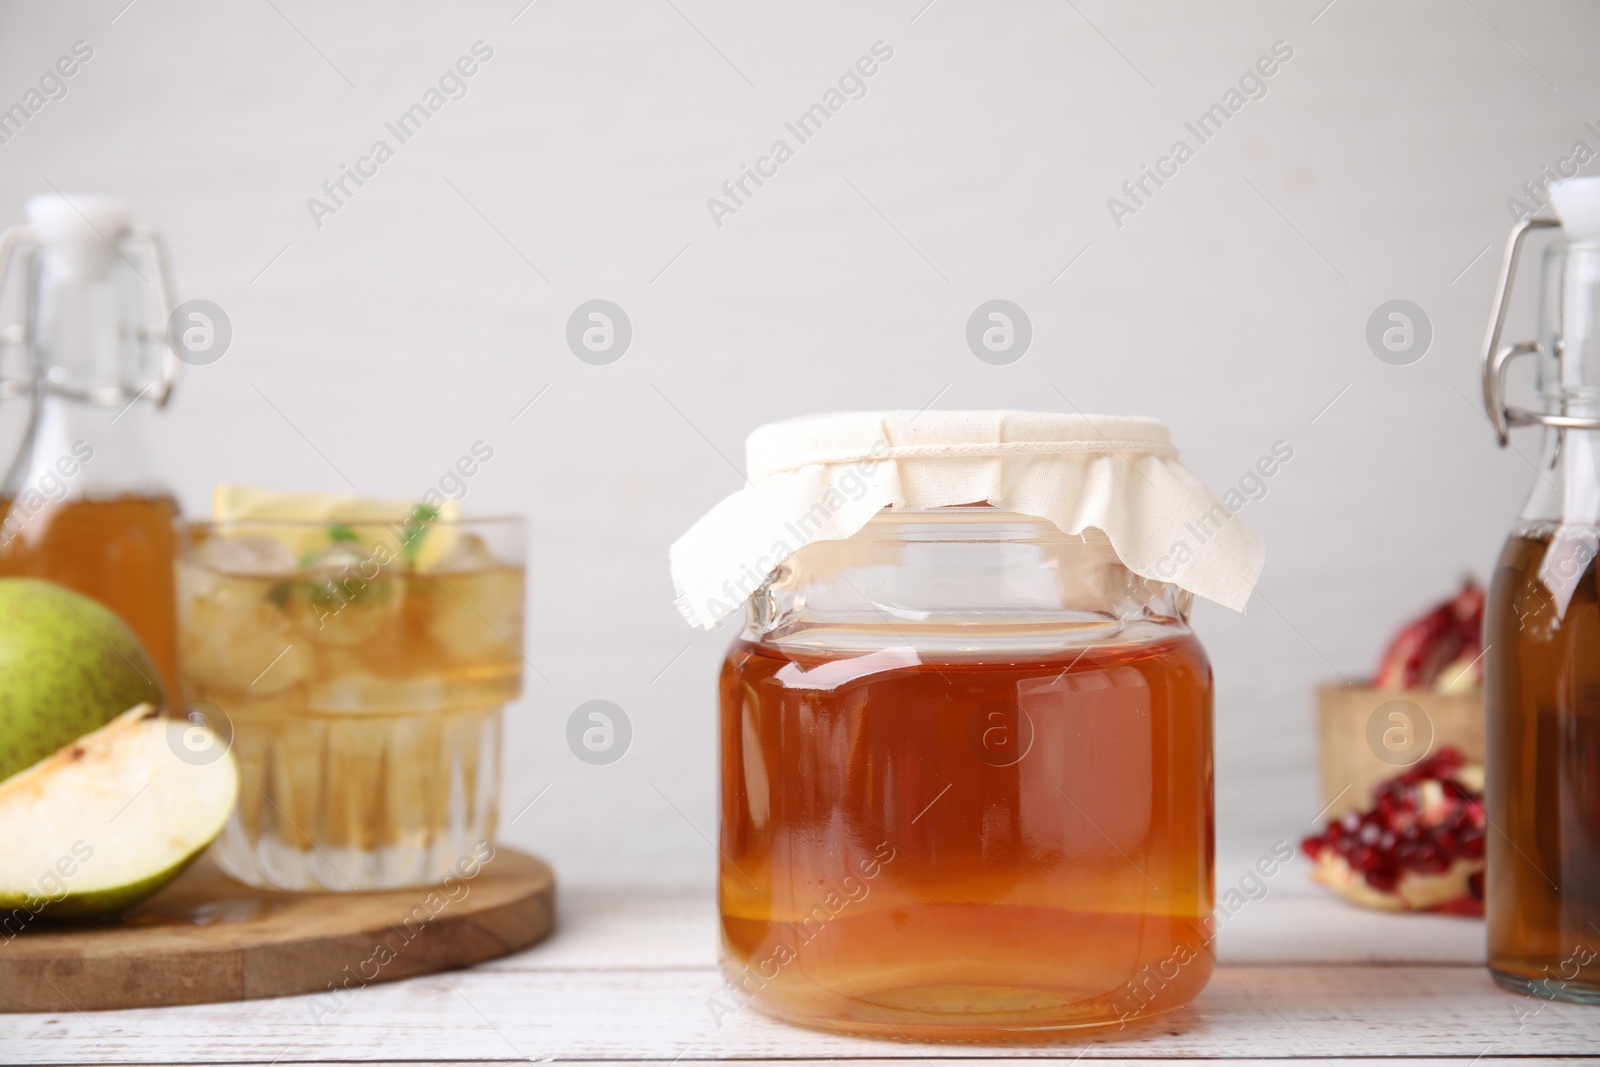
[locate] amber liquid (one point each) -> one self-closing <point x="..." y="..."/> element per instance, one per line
<point x="1543" y="786"/>
<point x="966" y="848"/>
<point x="117" y="550"/>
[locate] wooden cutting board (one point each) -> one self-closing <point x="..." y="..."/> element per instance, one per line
<point x="207" y="938"/>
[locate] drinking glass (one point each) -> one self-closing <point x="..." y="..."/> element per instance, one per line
<point x="360" y="669"/>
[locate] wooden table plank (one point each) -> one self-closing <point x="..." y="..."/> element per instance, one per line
<point x="1285" y="1011"/>
<point x="623" y="930"/>
<point x="627" y="977"/>
<point x="1048" y="1058"/>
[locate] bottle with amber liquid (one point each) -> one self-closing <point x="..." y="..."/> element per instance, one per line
<point x="86" y="366"/>
<point x="1542" y="636"/>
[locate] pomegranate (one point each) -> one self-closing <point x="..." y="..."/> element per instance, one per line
<point x="1439" y="648"/>
<point x="1418" y="848"/>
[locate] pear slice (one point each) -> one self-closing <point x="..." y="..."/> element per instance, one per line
<point x="112" y="817"/>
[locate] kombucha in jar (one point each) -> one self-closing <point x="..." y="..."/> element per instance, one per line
<point x="1544" y="764"/>
<point x="955" y="842"/>
<point x="966" y="756"/>
<point x="116" y="549"/>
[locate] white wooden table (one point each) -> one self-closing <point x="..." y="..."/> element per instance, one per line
<point x="628" y="974"/>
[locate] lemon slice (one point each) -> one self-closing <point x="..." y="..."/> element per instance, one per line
<point x="324" y="514"/>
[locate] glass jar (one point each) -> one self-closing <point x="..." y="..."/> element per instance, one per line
<point x="966" y="784"/>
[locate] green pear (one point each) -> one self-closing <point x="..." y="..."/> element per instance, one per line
<point x="111" y="818"/>
<point x="68" y="665"/>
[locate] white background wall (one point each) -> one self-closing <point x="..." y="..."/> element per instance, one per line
<point x="431" y="308"/>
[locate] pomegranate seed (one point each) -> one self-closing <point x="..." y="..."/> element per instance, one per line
<point x="1422" y="822"/>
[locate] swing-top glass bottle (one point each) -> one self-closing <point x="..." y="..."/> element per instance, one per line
<point x="86" y="355"/>
<point x="1542" y="631"/>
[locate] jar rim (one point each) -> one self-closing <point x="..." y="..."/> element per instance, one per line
<point x="979" y="516"/>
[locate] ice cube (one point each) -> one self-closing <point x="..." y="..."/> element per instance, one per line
<point x="467" y="552"/>
<point x="233" y="637"/>
<point x="245" y="554"/>
<point x="342" y="556"/>
<point x="478" y="616"/>
<point x="349" y="597"/>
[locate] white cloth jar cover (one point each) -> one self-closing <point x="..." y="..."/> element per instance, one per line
<point x="823" y="477"/>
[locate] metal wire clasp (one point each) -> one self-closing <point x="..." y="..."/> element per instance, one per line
<point x="1496" y="358"/>
<point x="160" y="390"/>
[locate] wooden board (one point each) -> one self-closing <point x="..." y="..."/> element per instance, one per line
<point x="207" y="938"/>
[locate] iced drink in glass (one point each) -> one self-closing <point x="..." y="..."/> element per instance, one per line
<point x="362" y="668"/>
